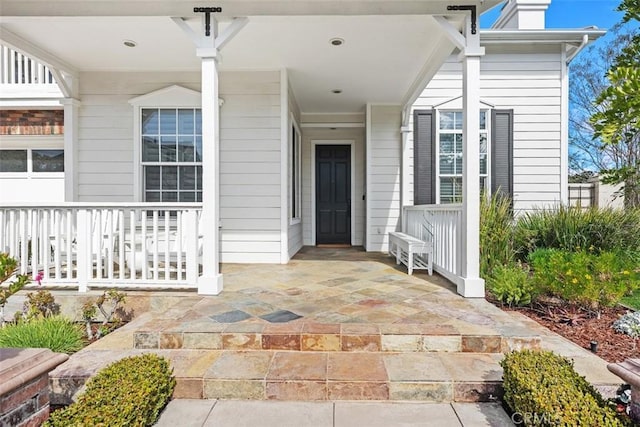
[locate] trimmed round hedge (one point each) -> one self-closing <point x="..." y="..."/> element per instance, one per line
<point x="130" y="392"/>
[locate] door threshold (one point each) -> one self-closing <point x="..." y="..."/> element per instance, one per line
<point x="333" y="245"/>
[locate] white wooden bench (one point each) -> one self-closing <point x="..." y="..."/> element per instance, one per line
<point x="416" y="254"/>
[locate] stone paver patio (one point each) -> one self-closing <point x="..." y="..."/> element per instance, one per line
<point x="333" y="324"/>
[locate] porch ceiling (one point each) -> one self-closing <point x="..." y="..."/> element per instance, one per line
<point x="379" y="62"/>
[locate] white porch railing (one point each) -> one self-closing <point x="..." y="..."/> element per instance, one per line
<point x="97" y="245"/>
<point x="441" y="224"/>
<point x="16" y="68"/>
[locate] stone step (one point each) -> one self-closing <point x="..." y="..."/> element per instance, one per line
<point x="307" y="376"/>
<point x="327" y="337"/>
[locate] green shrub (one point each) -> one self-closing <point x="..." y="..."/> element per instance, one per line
<point x="511" y="284"/>
<point x="574" y="229"/>
<point x="39" y="304"/>
<point x="545" y="387"/>
<point x="56" y="333"/>
<point x="588" y="279"/>
<point x="496" y="233"/>
<point x="129" y="392"/>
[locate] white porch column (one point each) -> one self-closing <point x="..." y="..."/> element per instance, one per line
<point x="71" y="115"/>
<point x="470" y="284"/>
<point x="210" y="282"/>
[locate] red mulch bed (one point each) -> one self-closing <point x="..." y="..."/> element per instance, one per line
<point x="581" y="327"/>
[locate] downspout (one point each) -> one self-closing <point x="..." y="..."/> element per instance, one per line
<point x="583" y="44"/>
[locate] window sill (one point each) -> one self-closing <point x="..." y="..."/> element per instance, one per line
<point x="294" y="221"/>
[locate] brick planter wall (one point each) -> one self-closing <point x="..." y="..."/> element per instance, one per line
<point x="31" y="122"/>
<point x="629" y="371"/>
<point x="24" y="385"/>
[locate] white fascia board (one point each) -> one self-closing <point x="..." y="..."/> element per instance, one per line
<point x="233" y="8"/>
<point x="31" y="103"/>
<point x="538" y="36"/>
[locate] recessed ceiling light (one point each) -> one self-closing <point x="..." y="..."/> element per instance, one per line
<point x="129" y="43"/>
<point x="333" y="128"/>
<point x="336" y="91"/>
<point x="336" y="41"/>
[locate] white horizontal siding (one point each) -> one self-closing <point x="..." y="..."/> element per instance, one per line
<point x="383" y="187"/>
<point x="294" y="238"/>
<point x="249" y="151"/>
<point x="250" y="167"/>
<point x="530" y="84"/>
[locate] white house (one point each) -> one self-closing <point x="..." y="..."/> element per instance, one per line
<point x="242" y="132"/>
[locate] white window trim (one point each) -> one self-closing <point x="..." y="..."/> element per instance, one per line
<point x="169" y="97"/>
<point x="487" y="129"/>
<point x="30" y="143"/>
<point x="298" y="165"/>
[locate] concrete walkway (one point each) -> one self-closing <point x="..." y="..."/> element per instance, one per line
<point x="233" y="413"/>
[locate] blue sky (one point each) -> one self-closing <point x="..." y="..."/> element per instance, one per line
<point x="571" y="14"/>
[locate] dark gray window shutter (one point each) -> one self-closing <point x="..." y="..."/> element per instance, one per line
<point x="502" y="152"/>
<point x="424" y="157"/>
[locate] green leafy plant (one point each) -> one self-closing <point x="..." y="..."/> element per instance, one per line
<point x="574" y="229"/>
<point x="56" y="333"/>
<point x="107" y="304"/>
<point x="511" y="284"/>
<point x="588" y="279"/>
<point x="129" y="392"/>
<point x="496" y="233"/>
<point x="8" y="268"/>
<point x="545" y="386"/>
<point x="39" y="304"/>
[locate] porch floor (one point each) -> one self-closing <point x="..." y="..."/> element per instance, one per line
<point x="333" y="324"/>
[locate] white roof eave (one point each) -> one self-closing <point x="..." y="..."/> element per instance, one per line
<point x="539" y="36"/>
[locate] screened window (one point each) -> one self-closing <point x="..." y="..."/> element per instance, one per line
<point x="13" y="160"/>
<point x="47" y="160"/>
<point x="31" y="160"/>
<point x="172" y="154"/>
<point x="450" y="155"/>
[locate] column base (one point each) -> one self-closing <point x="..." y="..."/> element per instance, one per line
<point x="471" y="287"/>
<point x="210" y="285"/>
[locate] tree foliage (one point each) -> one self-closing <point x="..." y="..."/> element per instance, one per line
<point x="616" y="124"/>
<point x="588" y="80"/>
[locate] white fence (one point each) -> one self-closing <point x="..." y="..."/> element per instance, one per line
<point x="441" y="224"/>
<point x="16" y="68"/>
<point x="96" y="245"/>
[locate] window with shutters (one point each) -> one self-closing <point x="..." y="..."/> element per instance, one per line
<point x="449" y="155"/>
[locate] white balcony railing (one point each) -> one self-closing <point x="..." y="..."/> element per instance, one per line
<point x="441" y="224"/>
<point x="97" y="245"/>
<point x="19" y="69"/>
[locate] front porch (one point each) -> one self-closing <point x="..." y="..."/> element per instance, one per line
<point x="159" y="246"/>
<point x="147" y="127"/>
<point x="333" y="324"/>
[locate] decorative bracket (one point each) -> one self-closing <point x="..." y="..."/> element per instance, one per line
<point x="472" y="8"/>
<point x="207" y="17"/>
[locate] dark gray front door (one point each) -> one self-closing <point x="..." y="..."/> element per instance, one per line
<point x="333" y="194"/>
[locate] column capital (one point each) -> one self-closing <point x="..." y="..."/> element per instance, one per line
<point x="208" y="52"/>
<point x="471" y="52"/>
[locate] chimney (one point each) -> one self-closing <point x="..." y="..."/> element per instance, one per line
<point x="522" y="15"/>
